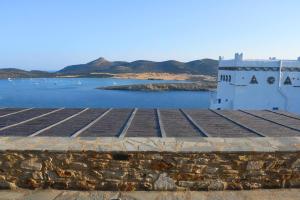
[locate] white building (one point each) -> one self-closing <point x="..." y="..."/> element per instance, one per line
<point x="258" y="84"/>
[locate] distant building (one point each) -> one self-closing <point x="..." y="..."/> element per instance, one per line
<point x="258" y="84"/>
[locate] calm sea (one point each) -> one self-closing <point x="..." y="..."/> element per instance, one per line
<point x="81" y="92"/>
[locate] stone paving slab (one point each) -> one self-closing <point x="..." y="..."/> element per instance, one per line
<point x="154" y="144"/>
<point x="279" y="194"/>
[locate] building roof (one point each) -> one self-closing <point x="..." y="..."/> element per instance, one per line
<point x="238" y="61"/>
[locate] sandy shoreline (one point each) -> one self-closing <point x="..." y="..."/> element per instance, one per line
<point x="158" y="76"/>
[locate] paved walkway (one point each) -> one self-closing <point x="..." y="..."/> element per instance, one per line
<point x="284" y="194"/>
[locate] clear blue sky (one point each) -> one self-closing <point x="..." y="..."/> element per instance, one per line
<point x="50" y="34"/>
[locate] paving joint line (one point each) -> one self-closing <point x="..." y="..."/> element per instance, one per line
<point x="60" y="122"/>
<point x="160" y="124"/>
<point x="31" y="119"/>
<point x="282" y="114"/>
<point x="240" y="124"/>
<point x="195" y="124"/>
<point x="16" y="112"/>
<point x="76" y="134"/>
<point x="128" y="123"/>
<point x="280" y="124"/>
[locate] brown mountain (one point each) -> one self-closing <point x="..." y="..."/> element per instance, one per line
<point x="19" y="73"/>
<point x="101" y="65"/>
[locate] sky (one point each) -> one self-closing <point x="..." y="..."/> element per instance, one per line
<point x="52" y="34"/>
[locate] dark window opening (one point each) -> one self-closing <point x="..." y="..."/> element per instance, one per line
<point x="253" y="80"/>
<point x="271" y="80"/>
<point x="229" y="78"/>
<point x="275" y="108"/>
<point x="288" y="81"/>
<point x="120" y="156"/>
<point x="219" y="100"/>
<point x="226" y="78"/>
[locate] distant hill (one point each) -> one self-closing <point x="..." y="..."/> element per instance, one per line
<point x="101" y="65"/>
<point x="18" y="73"/>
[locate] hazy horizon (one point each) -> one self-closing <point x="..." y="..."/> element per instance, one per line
<point x="49" y="35"/>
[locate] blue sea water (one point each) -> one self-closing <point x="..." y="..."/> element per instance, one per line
<point x="82" y="92"/>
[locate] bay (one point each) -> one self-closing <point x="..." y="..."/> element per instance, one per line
<point x="82" y="92"/>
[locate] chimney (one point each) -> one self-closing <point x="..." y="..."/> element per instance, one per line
<point x="238" y="57"/>
<point x="221" y="58"/>
<point x="241" y="56"/>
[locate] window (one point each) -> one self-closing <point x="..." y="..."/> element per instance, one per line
<point x="287" y="81"/>
<point x="253" y="80"/>
<point x="229" y="78"/>
<point x="219" y="101"/>
<point x="271" y="80"/>
<point x="226" y="78"/>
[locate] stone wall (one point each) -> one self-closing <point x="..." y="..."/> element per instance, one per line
<point x="160" y="171"/>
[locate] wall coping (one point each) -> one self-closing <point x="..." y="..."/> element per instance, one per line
<point x="112" y="144"/>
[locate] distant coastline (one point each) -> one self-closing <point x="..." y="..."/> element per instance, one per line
<point x="193" y="86"/>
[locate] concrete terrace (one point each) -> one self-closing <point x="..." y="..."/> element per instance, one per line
<point x="160" y="123"/>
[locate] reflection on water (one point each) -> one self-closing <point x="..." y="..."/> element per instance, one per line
<point x="81" y="92"/>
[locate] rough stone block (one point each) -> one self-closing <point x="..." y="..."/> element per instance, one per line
<point x="31" y="164"/>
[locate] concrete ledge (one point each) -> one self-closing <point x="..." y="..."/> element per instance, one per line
<point x="138" y="144"/>
<point x="280" y="194"/>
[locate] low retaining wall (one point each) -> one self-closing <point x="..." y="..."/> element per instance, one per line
<point x="71" y="167"/>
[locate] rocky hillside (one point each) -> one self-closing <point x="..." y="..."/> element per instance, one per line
<point x="101" y="65"/>
<point x="18" y="73"/>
